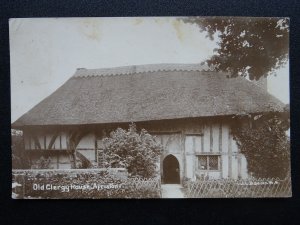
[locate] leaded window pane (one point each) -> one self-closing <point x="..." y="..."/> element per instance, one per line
<point x="213" y="162"/>
<point x="203" y="162"/>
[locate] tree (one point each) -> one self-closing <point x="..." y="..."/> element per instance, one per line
<point x="138" y="152"/>
<point x="19" y="158"/>
<point x="253" y="47"/>
<point x="265" y="146"/>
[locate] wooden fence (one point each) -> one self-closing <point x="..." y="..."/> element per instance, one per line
<point x="246" y="188"/>
<point x="153" y="184"/>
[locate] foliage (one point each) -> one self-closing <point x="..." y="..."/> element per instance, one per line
<point x="14" y="186"/>
<point x="43" y="163"/>
<point x="246" y="46"/>
<point x="265" y="146"/>
<point x="138" y="152"/>
<point x="19" y="158"/>
<point x="88" y="184"/>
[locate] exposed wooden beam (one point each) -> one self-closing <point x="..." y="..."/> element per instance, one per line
<point x="37" y="142"/>
<point x="50" y="146"/>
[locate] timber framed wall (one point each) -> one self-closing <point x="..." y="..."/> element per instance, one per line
<point x="203" y="146"/>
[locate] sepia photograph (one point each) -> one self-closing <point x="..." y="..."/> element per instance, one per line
<point x="150" y="107"/>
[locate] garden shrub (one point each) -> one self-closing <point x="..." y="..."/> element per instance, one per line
<point x="138" y="152"/>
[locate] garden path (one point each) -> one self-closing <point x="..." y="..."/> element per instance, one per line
<point x="172" y="191"/>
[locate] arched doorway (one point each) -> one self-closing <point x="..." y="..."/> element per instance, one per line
<point x="171" y="170"/>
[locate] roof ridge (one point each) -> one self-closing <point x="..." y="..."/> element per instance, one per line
<point x="143" y="68"/>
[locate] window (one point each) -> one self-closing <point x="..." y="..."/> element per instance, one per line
<point x="209" y="162"/>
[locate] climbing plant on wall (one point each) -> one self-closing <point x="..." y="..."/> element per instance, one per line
<point x="265" y="145"/>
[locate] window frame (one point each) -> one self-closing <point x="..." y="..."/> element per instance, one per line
<point x="207" y="155"/>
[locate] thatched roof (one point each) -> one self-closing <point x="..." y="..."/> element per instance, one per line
<point x="148" y="92"/>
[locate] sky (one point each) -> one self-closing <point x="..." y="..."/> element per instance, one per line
<point x="45" y="52"/>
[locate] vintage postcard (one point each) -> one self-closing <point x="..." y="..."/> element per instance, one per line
<point x="150" y="107"/>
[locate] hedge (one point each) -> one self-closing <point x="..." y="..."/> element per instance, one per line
<point x="91" y="184"/>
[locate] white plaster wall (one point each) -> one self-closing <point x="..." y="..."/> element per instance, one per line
<point x="234" y="166"/>
<point x="206" y="137"/>
<point x="190" y="166"/>
<point x="215" y="133"/>
<point x="65" y="166"/>
<point x="41" y="139"/>
<point x="225" y="134"/>
<point x="197" y="144"/>
<point x="192" y="144"/>
<point x="89" y="154"/>
<point x="244" y="170"/>
<point x="56" y="144"/>
<point x="214" y="175"/>
<point x="64" y="140"/>
<point x="86" y="147"/>
<point x="189" y="144"/>
<point x="224" y="159"/>
<point x="87" y="141"/>
<point x="172" y="143"/>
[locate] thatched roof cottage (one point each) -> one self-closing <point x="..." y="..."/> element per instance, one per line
<point x="187" y="106"/>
